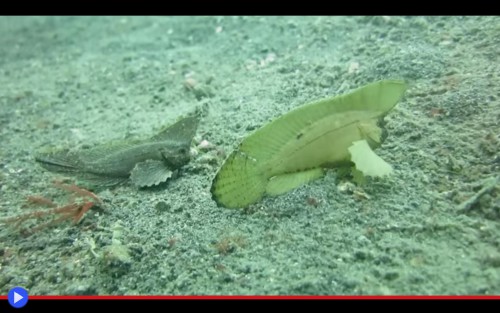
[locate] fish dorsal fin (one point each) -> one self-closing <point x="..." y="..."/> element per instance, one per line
<point x="181" y="131"/>
<point x="372" y="101"/>
<point x="104" y="150"/>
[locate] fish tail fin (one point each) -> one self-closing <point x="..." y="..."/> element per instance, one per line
<point x="62" y="161"/>
<point x="240" y="182"/>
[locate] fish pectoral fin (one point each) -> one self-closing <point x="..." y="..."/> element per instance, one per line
<point x="366" y="161"/>
<point x="150" y="173"/>
<point x="283" y="183"/>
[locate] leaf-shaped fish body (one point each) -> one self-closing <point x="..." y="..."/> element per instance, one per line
<point x="298" y="144"/>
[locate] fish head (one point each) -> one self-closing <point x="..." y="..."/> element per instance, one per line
<point x="176" y="155"/>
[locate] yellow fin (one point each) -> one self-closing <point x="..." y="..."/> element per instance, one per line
<point x="283" y="183"/>
<point x="367" y="162"/>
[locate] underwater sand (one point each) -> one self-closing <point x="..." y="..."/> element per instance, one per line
<point x="69" y="82"/>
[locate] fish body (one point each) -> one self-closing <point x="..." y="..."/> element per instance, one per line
<point x="120" y="162"/>
<point x="146" y="162"/>
<point x="294" y="148"/>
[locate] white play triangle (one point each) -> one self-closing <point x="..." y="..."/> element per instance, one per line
<point x="17" y="297"/>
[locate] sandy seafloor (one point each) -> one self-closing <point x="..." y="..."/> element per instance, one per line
<point x="80" y="81"/>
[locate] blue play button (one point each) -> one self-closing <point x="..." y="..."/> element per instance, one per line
<point x="18" y="297"/>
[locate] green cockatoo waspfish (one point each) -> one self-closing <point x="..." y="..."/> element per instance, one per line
<point x="294" y="148"/>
